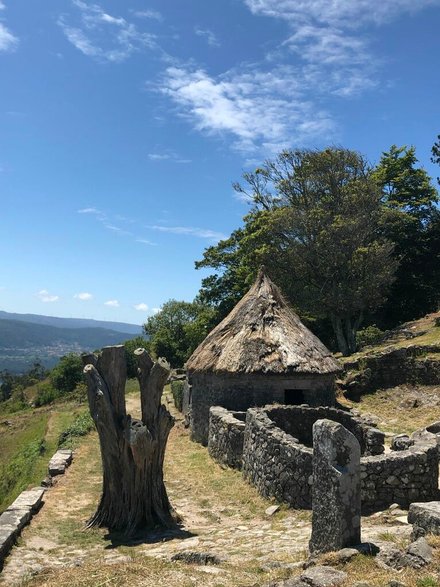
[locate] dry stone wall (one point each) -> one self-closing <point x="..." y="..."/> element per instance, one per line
<point x="226" y="436"/>
<point x="280" y="464"/>
<point x="240" y="392"/>
<point x="392" y="367"/>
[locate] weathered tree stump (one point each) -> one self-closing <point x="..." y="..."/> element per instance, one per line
<point x="132" y="451"/>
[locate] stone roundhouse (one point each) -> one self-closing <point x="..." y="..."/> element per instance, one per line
<point x="261" y="353"/>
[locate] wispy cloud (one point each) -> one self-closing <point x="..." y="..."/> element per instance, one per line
<point x="107" y="222"/>
<point x="103" y="36"/>
<point x="141" y="307"/>
<point x="336" y="12"/>
<point x="262" y="110"/>
<point x="210" y="37"/>
<point x="90" y="211"/>
<point x="190" y="231"/>
<point x="152" y="14"/>
<point x="168" y="156"/>
<point x="145" y="241"/>
<point x="45" y="296"/>
<point x="83" y="296"/>
<point x="8" y="41"/>
<point x="277" y="103"/>
<point x="112" y="303"/>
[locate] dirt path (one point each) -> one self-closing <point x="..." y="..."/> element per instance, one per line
<point x="221" y="515"/>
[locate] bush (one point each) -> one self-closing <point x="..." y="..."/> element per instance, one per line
<point x="68" y="373"/>
<point x="369" y="335"/>
<point x="81" y="426"/>
<point x="177" y="391"/>
<point x="46" y="394"/>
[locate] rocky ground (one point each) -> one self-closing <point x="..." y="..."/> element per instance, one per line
<point x="222" y="516"/>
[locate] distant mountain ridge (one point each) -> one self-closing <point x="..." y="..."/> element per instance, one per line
<point x="72" y="322"/>
<point x="47" y="338"/>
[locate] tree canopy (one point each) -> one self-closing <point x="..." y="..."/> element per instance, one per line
<point x="177" y="329"/>
<point x="410" y="219"/>
<point x="315" y="225"/>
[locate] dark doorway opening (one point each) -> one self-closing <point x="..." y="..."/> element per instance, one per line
<point x="294" y="397"/>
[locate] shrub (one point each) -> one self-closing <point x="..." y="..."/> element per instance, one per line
<point x="177" y="391"/>
<point x="81" y="426"/>
<point x="68" y="373"/>
<point x="369" y="335"/>
<point x="46" y="394"/>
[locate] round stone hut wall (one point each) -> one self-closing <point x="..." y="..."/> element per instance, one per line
<point x="226" y="436"/>
<point x="279" y="463"/>
<point x="242" y="391"/>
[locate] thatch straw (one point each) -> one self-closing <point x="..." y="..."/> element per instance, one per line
<point x="262" y="334"/>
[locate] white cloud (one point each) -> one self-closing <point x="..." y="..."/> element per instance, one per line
<point x="350" y="13"/>
<point x="153" y="14"/>
<point x="141" y="307"/>
<point x="90" y="211"/>
<point x="158" y="156"/>
<point x="190" y="231"/>
<point x="8" y="41"/>
<point x="210" y="37"/>
<point x="264" y="110"/>
<point x="45" y="296"/>
<point x="168" y="157"/>
<point x="155" y="310"/>
<point x="2" y="6"/>
<point x="112" y="303"/>
<point x="103" y="36"/>
<point x="145" y="241"/>
<point x="83" y="296"/>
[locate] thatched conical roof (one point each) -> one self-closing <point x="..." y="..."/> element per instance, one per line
<point x="262" y="334"/>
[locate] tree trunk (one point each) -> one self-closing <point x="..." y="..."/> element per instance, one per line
<point x="339" y="332"/>
<point x="345" y="329"/>
<point x="132" y="451"/>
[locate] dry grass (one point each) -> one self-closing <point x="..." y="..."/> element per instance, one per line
<point x="214" y="502"/>
<point x="389" y="406"/>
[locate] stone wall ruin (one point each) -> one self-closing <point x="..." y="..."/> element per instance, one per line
<point x="278" y="452"/>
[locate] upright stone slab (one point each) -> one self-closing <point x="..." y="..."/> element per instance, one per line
<point x="336" y="492"/>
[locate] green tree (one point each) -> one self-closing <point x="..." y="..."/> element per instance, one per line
<point x="410" y="219"/>
<point x="435" y="151"/>
<point x="177" y="329"/>
<point x="66" y="375"/>
<point x="130" y="346"/>
<point x="314" y="224"/>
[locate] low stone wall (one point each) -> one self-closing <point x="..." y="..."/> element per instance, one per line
<point x="280" y="465"/>
<point x="401" y="476"/>
<point x="20" y="513"/>
<point x="275" y="462"/>
<point x="226" y="436"/>
<point x="16" y="517"/>
<point x="298" y="422"/>
<point x="394" y="366"/>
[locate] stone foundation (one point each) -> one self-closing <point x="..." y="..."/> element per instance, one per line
<point x="240" y="392"/>
<point x="279" y="462"/>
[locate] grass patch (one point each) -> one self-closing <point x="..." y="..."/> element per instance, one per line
<point x="395" y="417"/>
<point x="28" y="440"/>
<point x="81" y="426"/>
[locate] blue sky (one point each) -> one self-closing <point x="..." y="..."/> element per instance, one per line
<point x="124" y="124"/>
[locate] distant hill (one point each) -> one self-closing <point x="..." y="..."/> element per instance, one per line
<point x="73" y="322"/>
<point x="22" y="342"/>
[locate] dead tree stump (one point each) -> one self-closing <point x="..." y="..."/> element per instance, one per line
<point x="132" y="451"/>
